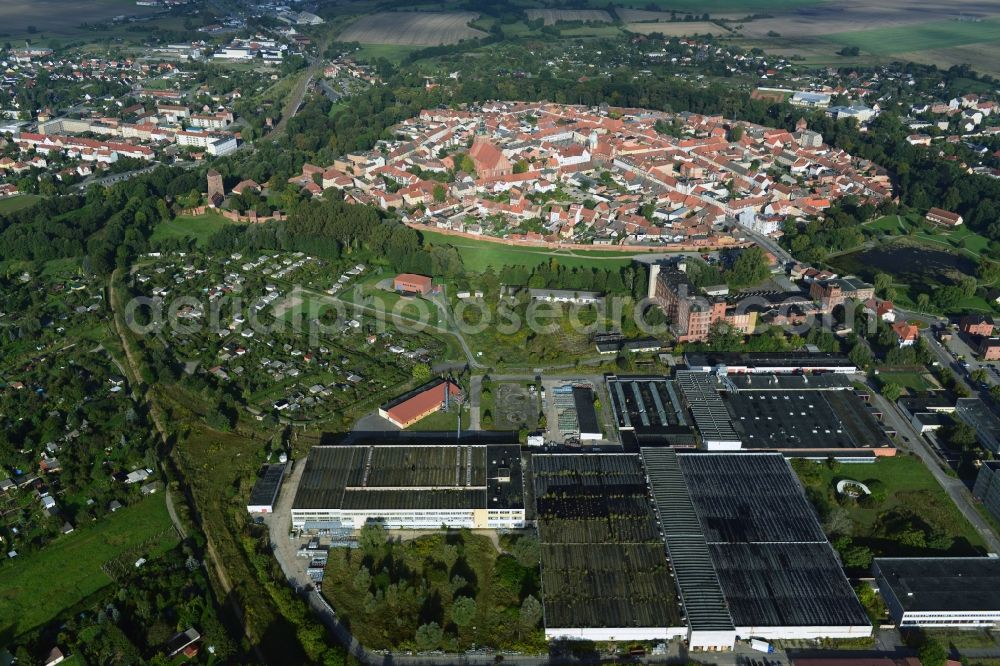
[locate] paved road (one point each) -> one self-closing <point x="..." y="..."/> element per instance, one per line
<point x="115" y="177"/>
<point x="955" y="488"/>
<point x="475" y="394"/>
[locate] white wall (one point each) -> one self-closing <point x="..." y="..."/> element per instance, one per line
<point x="615" y="633"/>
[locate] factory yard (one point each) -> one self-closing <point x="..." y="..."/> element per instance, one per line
<point x="412" y="28"/>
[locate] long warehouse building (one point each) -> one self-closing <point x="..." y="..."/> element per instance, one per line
<point x="412" y="487"/>
<point x="738" y="527"/>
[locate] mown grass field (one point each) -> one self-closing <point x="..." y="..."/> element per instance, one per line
<point x="200" y="227"/>
<point x="919" y="36"/>
<point x="16" y="203"/>
<point x="911" y="381"/>
<point x="479" y="255"/>
<point x="36" y="587"/>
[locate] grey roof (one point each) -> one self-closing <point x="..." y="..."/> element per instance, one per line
<point x="709" y="412"/>
<point x="770" y="554"/>
<point x="749" y="498"/>
<point x="603" y="563"/>
<point x="394" y="477"/>
<point x="265" y="490"/>
<point x="699" y="585"/>
<point x="942" y="583"/>
<point x="791" y="360"/>
<point x="647" y="403"/>
<point x="586" y="415"/>
<point x="824" y="419"/>
<point x="786" y="585"/>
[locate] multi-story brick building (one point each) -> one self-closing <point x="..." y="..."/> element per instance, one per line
<point x="831" y="293"/>
<point x="692" y="314"/>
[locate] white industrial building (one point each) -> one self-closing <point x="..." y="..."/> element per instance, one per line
<point x="412" y="486"/>
<point x="962" y="592"/>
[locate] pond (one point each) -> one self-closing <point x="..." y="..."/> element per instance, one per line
<point x="906" y="263"/>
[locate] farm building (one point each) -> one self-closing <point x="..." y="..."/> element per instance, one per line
<point x="412" y="487"/>
<point x="423" y="401"/>
<point x="264" y="494"/>
<point x="413" y="284"/>
<point x="749" y="555"/>
<point x="940" y="591"/>
<point x="605" y="573"/>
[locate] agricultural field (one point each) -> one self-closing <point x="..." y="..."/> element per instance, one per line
<point x="919" y="36"/>
<point x="552" y="16"/>
<point x="737" y="8"/>
<point x="61" y="17"/>
<point x="412" y="28"/>
<point x="35" y="589"/>
<point x="677" y="28"/>
<point x="893" y="30"/>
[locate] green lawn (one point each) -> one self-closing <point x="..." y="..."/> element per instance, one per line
<point x="478" y="255"/>
<point x="912" y="381"/>
<point x="18" y="202"/>
<point x="918" y="37"/>
<point x="960" y="239"/>
<point x="200" y="227"/>
<point x="36" y="587"/>
<point x="913" y="498"/>
<point x="441" y="421"/>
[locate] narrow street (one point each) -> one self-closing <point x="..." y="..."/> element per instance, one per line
<point x="956" y="489"/>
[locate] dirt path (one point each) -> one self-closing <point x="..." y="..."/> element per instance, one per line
<point x="133" y="365"/>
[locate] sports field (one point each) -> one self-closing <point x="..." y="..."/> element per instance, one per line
<point x="919" y="36"/>
<point x="478" y="255"/>
<point x="36" y="587"/>
<point x="200" y="227"/>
